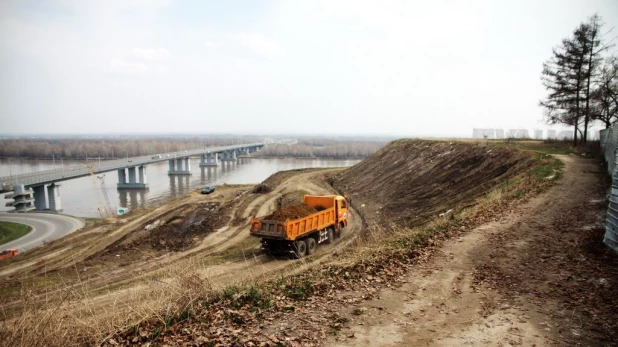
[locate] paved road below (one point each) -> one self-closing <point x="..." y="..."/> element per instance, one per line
<point x="45" y="227"/>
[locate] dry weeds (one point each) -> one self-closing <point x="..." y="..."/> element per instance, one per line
<point x="160" y="309"/>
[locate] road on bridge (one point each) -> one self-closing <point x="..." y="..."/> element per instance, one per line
<point x="66" y="173"/>
<point x="45" y="227"/>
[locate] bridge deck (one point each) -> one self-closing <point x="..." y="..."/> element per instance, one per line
<point x="75" y="171"/>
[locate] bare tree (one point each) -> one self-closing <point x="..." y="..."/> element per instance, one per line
<point x="605" y="96"/>
<point x="568" y="77"/>
<point x="590" y="37"/>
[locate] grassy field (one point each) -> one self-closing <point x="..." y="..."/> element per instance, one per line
<point x="12" y="231"/>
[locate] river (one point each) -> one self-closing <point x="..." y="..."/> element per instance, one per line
<point x="79" y="197"/>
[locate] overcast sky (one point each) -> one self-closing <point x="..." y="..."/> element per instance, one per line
<point x="403" y="68"/>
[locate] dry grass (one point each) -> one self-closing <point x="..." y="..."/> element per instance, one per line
<point x="75" y="315"/>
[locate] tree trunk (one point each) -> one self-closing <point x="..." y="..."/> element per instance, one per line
<point x="586" y="120"/>
<point x="587" y="115"/>
<point x="577" y="108"/>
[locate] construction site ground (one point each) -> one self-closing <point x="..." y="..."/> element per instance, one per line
<point x="537" y="276"/>
<point x="532" y="272"/>
<point x="113" y="273"/>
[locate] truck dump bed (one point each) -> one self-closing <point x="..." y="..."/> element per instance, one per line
<point x="295" y="228"/>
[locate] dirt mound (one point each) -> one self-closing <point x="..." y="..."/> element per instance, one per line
<point x="291" y="212"/>
<point x="174" y="232"/>
<point x="180" y="233"/>
<point x="261" y="189"/>
<point x="411" y="181"/>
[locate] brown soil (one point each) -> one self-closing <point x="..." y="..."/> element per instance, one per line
<point x="176" y="231"/>
<point x="540" y="276"/>
<point x="177" y="236"/>
<point x="470" y="293"/>
<point x="261" y="189"/>
<point x="535" y="276"/>
<point x="291" y="212"/>
<point x="410" y="181"/>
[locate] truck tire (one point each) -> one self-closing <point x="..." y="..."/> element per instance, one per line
<point x="311" y="245"/>
<point x="330" y="235"/>
<point x="337" y="233"/>
<point x="301" y="248"/>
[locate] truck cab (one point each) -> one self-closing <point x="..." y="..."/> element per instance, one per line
<point x="341" y="208"/>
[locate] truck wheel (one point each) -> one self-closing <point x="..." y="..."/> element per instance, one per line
<point x="331" y="236"/>
<point x="311" y="245"/>
<point x="301" y="248"/>
<point x="337" y="233"/>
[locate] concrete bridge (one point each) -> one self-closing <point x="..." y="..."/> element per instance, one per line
<point x="28" y="190"/>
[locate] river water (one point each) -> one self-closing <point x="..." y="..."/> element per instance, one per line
<point x="79" y="197"/>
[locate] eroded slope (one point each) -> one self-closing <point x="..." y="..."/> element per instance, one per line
<point x="409" y="181"/>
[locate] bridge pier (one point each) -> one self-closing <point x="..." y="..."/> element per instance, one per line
<point x="53" y="194"/>
<point x="180" y="166"/>
<point x="23" y="200"/>
<point x="229" y="155"/>
<point x="133" y="182"/>
<point x="40" y="201"/>
<point x="132" y="177"/>
<point x="143" y="178"/>
<point x="209" y="160"/>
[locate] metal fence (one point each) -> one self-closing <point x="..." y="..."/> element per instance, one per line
<point x="609" y="144"/>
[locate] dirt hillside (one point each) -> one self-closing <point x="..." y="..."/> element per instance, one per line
<point x="538" y="276"/>
<point x="525" y="279"/>
<point x="408" y="181"/>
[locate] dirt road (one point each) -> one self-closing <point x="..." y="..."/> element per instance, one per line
<point x="538" y="276"/>
<point x="141" y="286"/>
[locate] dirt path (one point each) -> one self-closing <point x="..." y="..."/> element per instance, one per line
<point x="539" y="276"/>
<point x="263" y="265"/>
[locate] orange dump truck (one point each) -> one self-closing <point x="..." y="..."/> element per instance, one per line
<point x="8" y="253"/>
<point x="301" y="236"/>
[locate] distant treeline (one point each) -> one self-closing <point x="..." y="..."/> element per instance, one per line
<point x="115" y="148"/>
<point x="329" y="149"/>
<point x="108" y="148"/>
